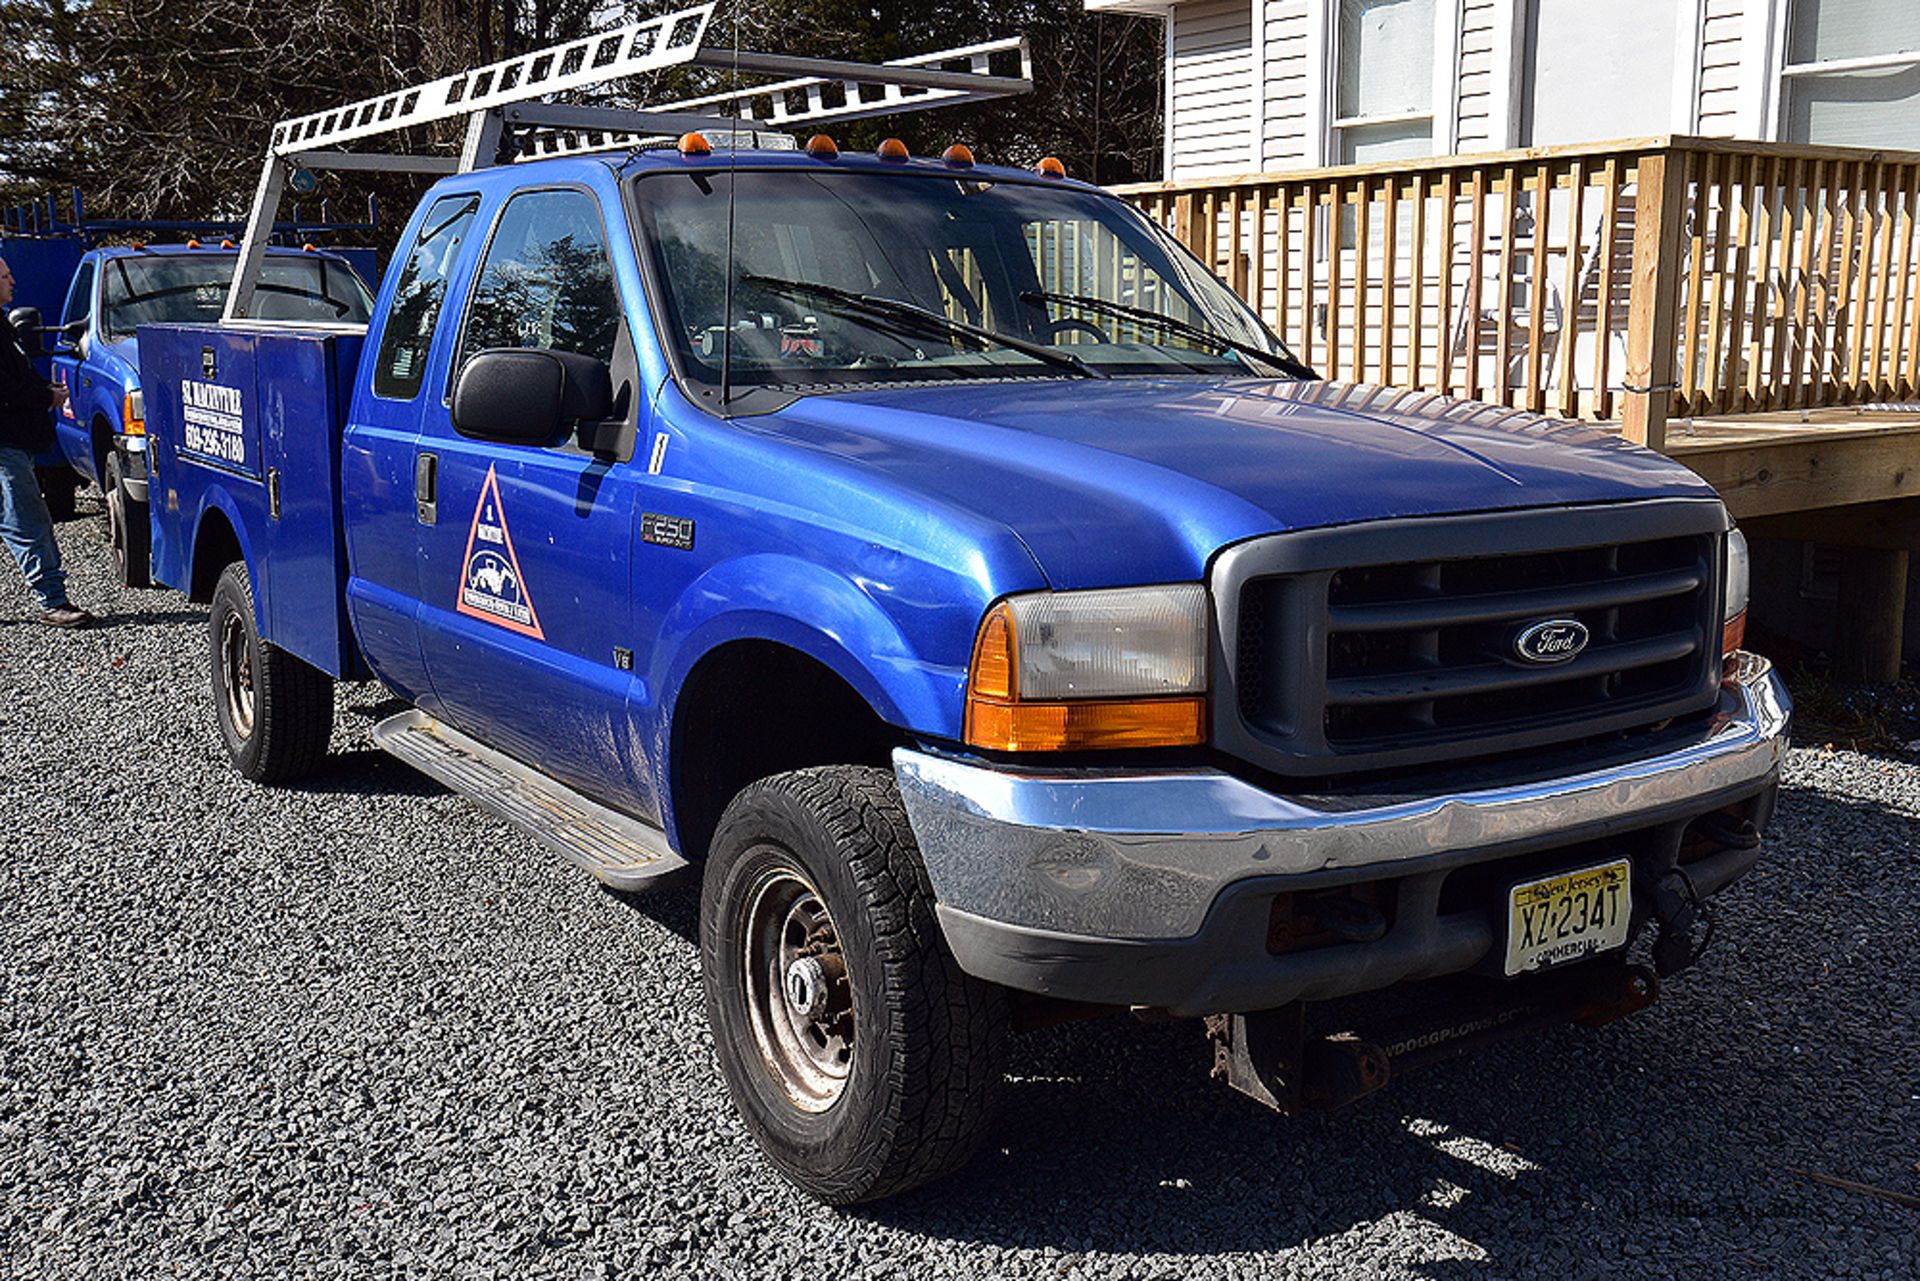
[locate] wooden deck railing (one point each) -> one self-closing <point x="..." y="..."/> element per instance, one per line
<point x="1634" y="280"/>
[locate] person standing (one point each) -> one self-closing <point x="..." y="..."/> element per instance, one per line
<point x="26" y="527"/>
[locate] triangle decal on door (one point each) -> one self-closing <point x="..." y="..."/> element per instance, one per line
<point x="491" y="586"/>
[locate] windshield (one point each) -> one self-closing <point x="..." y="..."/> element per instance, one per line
<point x="193" y="288"/>
<point x="843" y="279"/>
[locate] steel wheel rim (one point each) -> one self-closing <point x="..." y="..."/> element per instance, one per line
<point x="236" y="663"/>
<point x="796" y="988"/>
<point x="117" y="525"/>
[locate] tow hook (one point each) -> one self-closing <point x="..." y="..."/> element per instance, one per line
<point x="1271" y="1056"/>
<point x="1685" y="923"/>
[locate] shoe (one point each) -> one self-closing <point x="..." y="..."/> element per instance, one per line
<point x="66" y="616"/>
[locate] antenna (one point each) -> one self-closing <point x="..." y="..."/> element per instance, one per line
<point x="511" y="96"/>
<point x="733" y="193"/>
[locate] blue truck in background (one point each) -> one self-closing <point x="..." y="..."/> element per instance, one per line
<point x="966" y="585"/>
<point x="80" y="303"/>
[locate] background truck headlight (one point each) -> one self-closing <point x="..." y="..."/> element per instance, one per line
<point x="1067" y="671"/>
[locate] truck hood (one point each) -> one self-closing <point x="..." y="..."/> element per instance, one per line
<point x="1133" y="480"/>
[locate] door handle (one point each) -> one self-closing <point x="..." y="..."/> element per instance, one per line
<point x="426" y="488"/>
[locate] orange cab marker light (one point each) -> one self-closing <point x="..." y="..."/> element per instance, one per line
<point x="1051" y="167"/>
<point x="959" y="155"/>
<point x="227" y="244"/>
<point x="695" y="144"/>
<point x="894" y="149"/>
<point x="193" y="244"/>
<point x="309" y="248"/>
<point x="821" y="147"/>
<point x="139" y="245"/>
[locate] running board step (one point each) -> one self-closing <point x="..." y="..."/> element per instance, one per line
<point x="623" y="852"/>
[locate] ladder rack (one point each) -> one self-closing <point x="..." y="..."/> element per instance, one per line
<point x="509" y="117"/>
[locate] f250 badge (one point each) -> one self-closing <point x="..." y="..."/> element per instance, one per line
<point x="491" y="587"/>
<point x="1557" y="640"/>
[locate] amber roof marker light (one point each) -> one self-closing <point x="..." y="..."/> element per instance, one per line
<point x="1050" y="167"/>
<point x="959" y="155"/>
<point x="821" y="147"/>
<point x="895" y="150"/>
<point x="695" y="144"/>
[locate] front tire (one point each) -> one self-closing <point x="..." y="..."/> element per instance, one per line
<point x="860" y="1055"/>
<point x="128" y="529"/>
<point x="275" y="712"/>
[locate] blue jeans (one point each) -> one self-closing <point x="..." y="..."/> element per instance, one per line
<point x="27" y="529"/>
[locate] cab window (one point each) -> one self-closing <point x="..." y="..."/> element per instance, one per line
<point x="407" y="340"/>
<point x="546" y="281"/>
<point x="79" y="298"/>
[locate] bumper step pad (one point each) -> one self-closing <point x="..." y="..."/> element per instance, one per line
<point x="622" y="852"/>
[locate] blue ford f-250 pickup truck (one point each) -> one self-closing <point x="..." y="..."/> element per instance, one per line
<point x="983" y="597"/>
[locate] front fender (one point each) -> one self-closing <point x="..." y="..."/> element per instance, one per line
<point x="822" y="614"/>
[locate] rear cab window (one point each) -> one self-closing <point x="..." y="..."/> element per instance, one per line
<point x="406" y="342"/>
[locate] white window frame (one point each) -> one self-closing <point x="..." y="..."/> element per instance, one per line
<point x="1774" y="111"/>
<point x="1442" y="112"/>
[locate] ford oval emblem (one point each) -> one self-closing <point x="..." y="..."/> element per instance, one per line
<point x="1556" y="640"/>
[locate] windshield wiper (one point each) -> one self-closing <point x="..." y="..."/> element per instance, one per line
<point x="924" y="319"/>
<point x="1286" y="364"/>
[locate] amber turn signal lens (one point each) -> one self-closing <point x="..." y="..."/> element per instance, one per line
<point x="1734" y="634"/>
<point x="1088" y="725"/>
<point x="132" y="421"/>
<point x="695" y="144"/>
<point x="992" y="674"/>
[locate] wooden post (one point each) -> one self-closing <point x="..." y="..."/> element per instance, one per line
<point x="1872" y="607"/>
<point x="1653" y="303"/>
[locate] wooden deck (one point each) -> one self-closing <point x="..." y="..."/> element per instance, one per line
<point x="1768" y="465"/>
<point x="1845" y="476"/>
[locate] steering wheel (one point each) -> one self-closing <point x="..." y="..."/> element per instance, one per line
<point x="1065" y="323"/>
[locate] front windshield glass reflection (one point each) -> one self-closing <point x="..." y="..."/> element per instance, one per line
<point x="845" y="279"/>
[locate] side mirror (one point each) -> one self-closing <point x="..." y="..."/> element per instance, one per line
<point x="524" y="396"/>
<point x="29" y="328"/>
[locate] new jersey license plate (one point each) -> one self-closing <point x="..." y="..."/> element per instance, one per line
<point x="1567" y="917"/>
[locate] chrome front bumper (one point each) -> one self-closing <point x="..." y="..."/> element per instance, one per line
<point x="1031" y="865"/>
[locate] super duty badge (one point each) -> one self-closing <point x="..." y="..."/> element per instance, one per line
<point x="667" y="531"/>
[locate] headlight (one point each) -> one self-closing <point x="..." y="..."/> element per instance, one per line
<point x="1733" y="612"/>
<point x="1064" y="671"/>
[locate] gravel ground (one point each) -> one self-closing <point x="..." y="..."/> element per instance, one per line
<point x="360" y="1029"/>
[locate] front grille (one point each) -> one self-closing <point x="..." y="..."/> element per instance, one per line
<point x="1347" y="656"/>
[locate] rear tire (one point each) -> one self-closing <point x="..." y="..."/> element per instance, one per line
<point x="128" y="530"/>
<point x="58" y="487"/>
<point x="275" y="712"/>
<point x="860" y="1055"/>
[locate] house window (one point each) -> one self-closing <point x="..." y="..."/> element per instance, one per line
<point x="1383" y="107"/>
<point x="1852" y="74"/>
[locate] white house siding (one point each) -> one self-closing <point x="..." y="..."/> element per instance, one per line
<point x="1722" y="27"/>
<point x="1293" y="73"/>
<point x="1211" y="89"/>
<point x="1485" y="26"/>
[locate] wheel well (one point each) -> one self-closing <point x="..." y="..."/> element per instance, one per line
<point x="214" y="548"/>
<point x="754" y="708"/>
